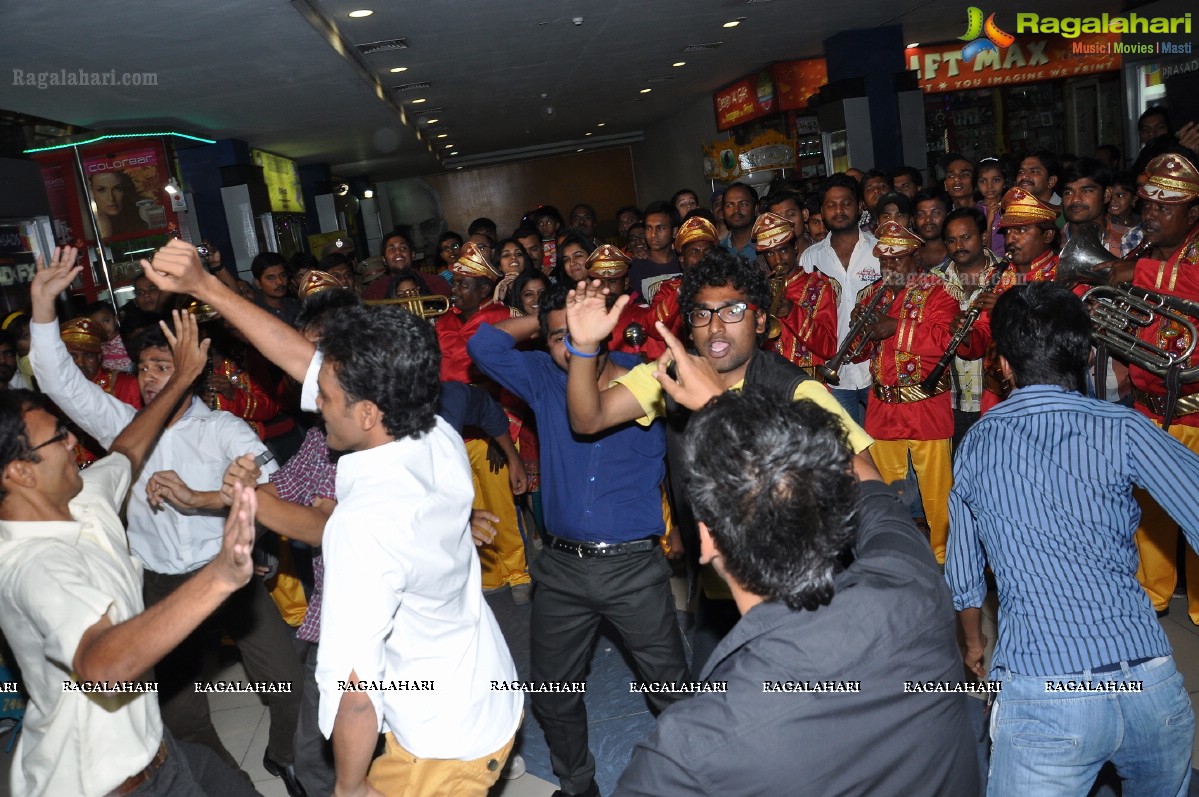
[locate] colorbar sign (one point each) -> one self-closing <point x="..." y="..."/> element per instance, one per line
<point x="1029" y="60"/>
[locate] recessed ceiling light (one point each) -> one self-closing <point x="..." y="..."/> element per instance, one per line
<point x="399" y="69"/>
<point x="587" y="133"/>
<point x="432" y="121"/>
<point x="601" y="124"/>
<point x="418" y="101"/>
<point x="679" y="63"/>
<point x="368" y="194"/>
<point x="443" y="135"/>
<point x="579" y="149"/>
<point x="646" y="91"/>
<point x="734" y="23"/>
<point x="361" y="13"/>
<point x="459" y="167"/>
<point x="449" y="146"/>
<point x="455" y="152"/>
<point x="913" y="44"/>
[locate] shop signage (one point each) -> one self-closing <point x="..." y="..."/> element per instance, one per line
<point x="941" y="67"/>
<point x="797" y="81"/>
<point x="748" y="99"/>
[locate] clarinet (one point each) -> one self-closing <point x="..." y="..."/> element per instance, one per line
<point x="929" y="384"/>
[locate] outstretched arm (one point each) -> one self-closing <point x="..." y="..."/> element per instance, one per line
<point x="122" y="652"/>
<point x="176" y="267"/>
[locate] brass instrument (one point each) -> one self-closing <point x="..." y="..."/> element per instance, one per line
<point x="1084" y="251"/>
<point x="855" y="342"/>
<point x="929" y="383"/>
<point x="426" y="307"/>
<point x="1119" y="312"/>
<point x="778" y="291"/>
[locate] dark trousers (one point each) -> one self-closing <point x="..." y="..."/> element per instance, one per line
<point x="962" y="421"/>
<point x="314" y="753"/>
<point x="570" y="597"/>
<point x="251" y="618"/>
<point x="192" y="770"/>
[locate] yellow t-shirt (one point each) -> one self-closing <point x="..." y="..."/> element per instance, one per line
<point x="652" y="398"/>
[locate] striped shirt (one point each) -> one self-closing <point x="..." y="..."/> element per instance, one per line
<point x="1043" y="484"/>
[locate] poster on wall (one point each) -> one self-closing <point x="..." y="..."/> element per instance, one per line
<point x="128" y="188"/>
<point x="282" y="182"/>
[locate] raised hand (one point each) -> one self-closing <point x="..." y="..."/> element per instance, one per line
<point x="176" y="267"/>
<point x="51" y="280"/>
<point x="588" y="318"/>
<point x="695" y="382"/>
<point x="188" y="351"/>
<point x="234" y="564"/>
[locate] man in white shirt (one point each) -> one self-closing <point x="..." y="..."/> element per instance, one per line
<point x="73" y="608"/>
<point x="408" y="644"/>
<point x="172" y="545"/>
<point x="846" y="255"/>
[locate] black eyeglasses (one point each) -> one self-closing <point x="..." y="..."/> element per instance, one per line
<point x="731" y="313"/>
<point x="63" y="434"/>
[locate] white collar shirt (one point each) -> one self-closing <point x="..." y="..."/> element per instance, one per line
<point x="199" y="447"/>
<point x="57" y="579"/>
<point x="403" y="607"/>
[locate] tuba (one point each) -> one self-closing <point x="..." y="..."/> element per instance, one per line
<point x="1084" y="252"/>
<point x="427" y="307"/>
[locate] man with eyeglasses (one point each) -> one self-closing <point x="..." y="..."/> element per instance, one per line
<point x="174" y="545"/>
<point x="73" y="607"/>
<point x="740" y="211"/>
<point x="724" y="301"/>
<point x="397" y="254"/>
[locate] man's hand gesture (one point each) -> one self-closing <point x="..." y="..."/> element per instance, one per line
<point x="177" y="268"/>
<point x="51" y="280"/>
<point x="588" y="318"/>
<point x="188" y="351"/>
<point x="695" y="382"/>
<point x="234" y="565"/>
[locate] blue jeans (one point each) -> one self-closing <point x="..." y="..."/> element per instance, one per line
<point x="1053" y="744"/>
<point x="854" y="402"/>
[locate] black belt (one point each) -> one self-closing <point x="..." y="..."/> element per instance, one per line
<point x="1119" y="665"/>
<point x="585" y="549"/>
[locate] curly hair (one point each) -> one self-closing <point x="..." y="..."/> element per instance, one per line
<point x="390" y="357"/>
<point x="719" y="268"/>
<point x="775" y="488"/>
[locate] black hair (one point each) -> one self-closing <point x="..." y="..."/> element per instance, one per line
<point x="701" y="211"/>
<point x="315" y="307"/>
<point x="97" y="306"/>
<point x="524" y="231"/>
<point x="1110" y="149"/>
<point x="1155" y="110"/>
<point x="553" y="299"/>
<point x="663" y="207"/>
<point x="907" y="171"/>
<point x="333" y="260"/>
<point x="389" y="357"/>
<point x="973" y="214"/>
<point x="583" y="206"/>
<point x="812" y="204"/>
<point x="264" y="260"/>
<point x="900" y="201"/>
<point x="403" y="275"/>
<point x="396" y="233"/>
<point x="991" y="162"/>
<point x="774" y="486"/>
<point x="636" y="211"/>
<point x="683" y="192"/>
<point x="484" y="226"/>
<point x="948" y="158"/>
<point x="1087" y="169"/>
<point x="14" y="434"/>
<point x="841" y="180"/>
<point x="570" y="238"/>
<point x="1044" y="331"/>
<point x="753" y="193"/>
<point x="779" y="197"/>
<point x="718" y="268"/>
<point x="1125" y="180"/>
<point x="929" y="196"/>
<point x="1048" y="159"/>
<point x="530" y="274"/>
<point x="548" y="211"/>
<point x="873" y="174"/>
<point x="152" y="337"/>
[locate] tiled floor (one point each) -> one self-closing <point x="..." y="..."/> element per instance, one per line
<point x="618" y="720"/>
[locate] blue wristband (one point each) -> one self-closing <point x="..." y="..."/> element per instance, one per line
<point x="576" y="352"/>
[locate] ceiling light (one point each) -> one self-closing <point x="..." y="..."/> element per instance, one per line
<point x="646" y="91"/>
<point x="455" y="152"/>
<point x="368" y="194"/>
<point x="580" y="149"/>
<point x="432" y="121"/>
<point x="587" y="133"/>
<point x="361" y="13"/>
<point x="601" y="124"/>
<point x="443" y="135"/>
<point x="418" y="101"/>
<point x="913" y="44"/>
<point x="449" y="146"/>
<point x="734" y="23"/>
<point x="679" y="63"/>
<point x="399" y="69"/>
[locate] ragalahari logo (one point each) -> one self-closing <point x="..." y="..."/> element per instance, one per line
<point x="982" y="36"/>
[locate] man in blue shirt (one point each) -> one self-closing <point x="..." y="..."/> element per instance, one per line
<point x="1043" y="494"/>
<point x="602" y="558"/>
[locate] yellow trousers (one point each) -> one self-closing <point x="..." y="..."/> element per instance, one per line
<point x="930" y="460"/>
<point x="398" y="773"/>
<point x="503" y="560"/>
<point x="286" y="589"/>
<point x="1157" y="542"/>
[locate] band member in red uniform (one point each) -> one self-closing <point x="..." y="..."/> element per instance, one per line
<point x="807" y="310"/>
<point x="1030" y="231"/>
<point x="695" y="238"/>
<point x="503" y="560"/>
<point x="911" y="336"/>
<point x="1170" y="218"/>
<point x="610" y="265"/>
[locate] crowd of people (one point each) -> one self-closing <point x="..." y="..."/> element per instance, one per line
<point x="832" y="409"/>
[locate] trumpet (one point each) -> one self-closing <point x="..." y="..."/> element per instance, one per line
<point x="1118" y="313"/>
<point x="778" y="291"/>
<point x="855" y="342"/>
<point x="426" y="307"/>
<point x="929" y="383"/>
